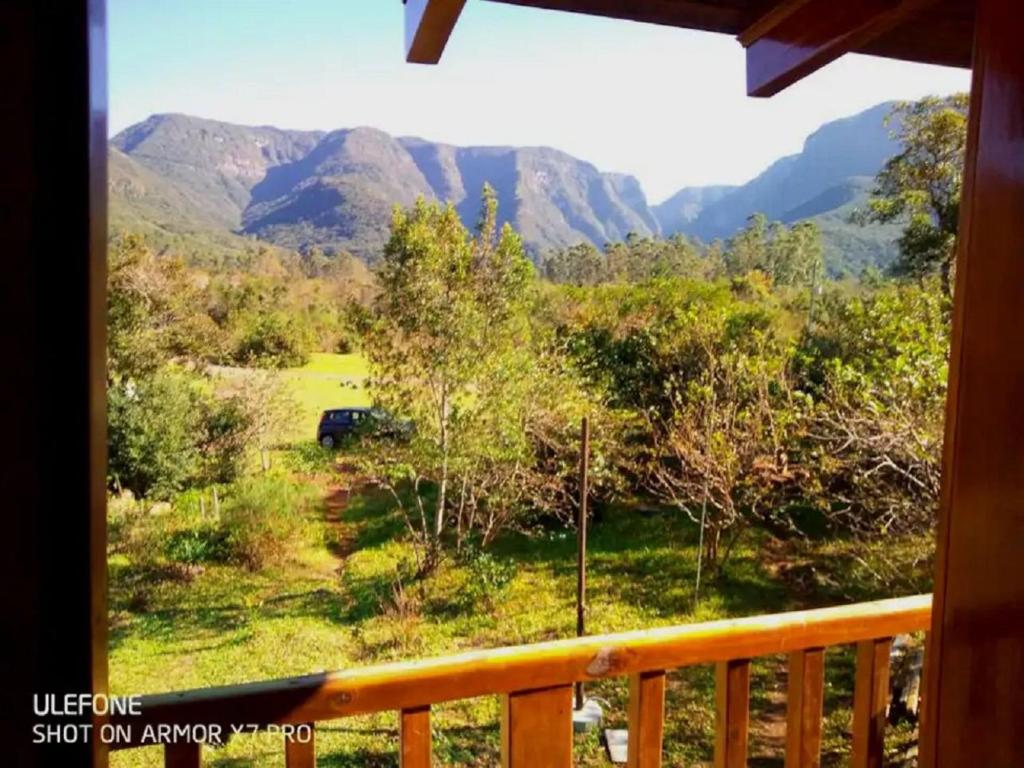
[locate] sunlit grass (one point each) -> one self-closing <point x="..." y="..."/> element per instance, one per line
<point x="347" y="597"/>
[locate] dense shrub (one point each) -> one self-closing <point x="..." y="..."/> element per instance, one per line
<point x="274" y="340"/>
<point x="205" y="543"/>
<point x="168" y="432"/>
<point x="262" y="516"/>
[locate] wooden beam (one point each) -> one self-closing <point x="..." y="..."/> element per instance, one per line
<point x="973" y="702"/>
<point x="53" y="201"/>
<point x="798" y="37"/>
<point x="727" y="17"/>
<point x="428" y="25"/>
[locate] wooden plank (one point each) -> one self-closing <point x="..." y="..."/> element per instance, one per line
<point x="183" y="755"/>
<point x="870" y="700"/>
<point x="414" y="738"/>
<point x="428" y="25"/>
<point x="536" y="728"/>
<point x="804" y="708"/>
<point x="541" y="665"/>
<point x="974" y="707"/>
<point x="732" y="699"/>
<point x="802" y="36"/>
<point x="646" y="719"/>
<point x="300" y="754"/>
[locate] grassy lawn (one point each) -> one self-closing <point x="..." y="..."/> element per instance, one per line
<point x="327" y="381"/>
<point x="342" y="597"/>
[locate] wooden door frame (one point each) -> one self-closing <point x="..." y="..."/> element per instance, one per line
<point x="53" y="225"/>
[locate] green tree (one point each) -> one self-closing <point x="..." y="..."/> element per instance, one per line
<point x="448" y="342"/>
<point x="921" y="185"/>
<point x="168" y="432"/>
<point x="791" y="256"/>
<point x="875" y="368"/>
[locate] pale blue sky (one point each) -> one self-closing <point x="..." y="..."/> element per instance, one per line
<point x="666" y="105"/>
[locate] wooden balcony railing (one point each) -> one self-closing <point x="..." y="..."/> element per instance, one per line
<point x="535" y="682"/>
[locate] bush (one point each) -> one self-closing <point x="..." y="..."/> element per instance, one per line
<point x="206" y="543"/>
<point x="168" y="432"/>
<point x="262" y="516"/>
<point x="274" y="340"/>
<point x="488" y="576"/>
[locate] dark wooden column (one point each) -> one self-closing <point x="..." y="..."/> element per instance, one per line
<point x="53" y="236"/>
<point x="975" y="695"/>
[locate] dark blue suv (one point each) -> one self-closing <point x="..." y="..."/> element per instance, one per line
<point x="339" y="423"/>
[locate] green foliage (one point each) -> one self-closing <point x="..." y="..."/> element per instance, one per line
<point x="487" y="576"/>
<point x="167" y="432"/>
<point x="876" y="368"/>
<point x="787" y="255"/>
<point x="273" y="341"/>
<point x="154" y="313"/>
<point x="635" y="260"/>
<point x="920" y="186"/>
<point x="263" y="516"/>
<point x="206" y="543"/>
<point x="449" y="344"/>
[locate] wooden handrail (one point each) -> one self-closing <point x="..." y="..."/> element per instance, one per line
<point x="418" y="684"/>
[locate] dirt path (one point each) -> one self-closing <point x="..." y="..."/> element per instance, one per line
<point x="338" y="489"/>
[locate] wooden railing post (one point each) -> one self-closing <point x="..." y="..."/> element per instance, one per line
<point x="646" y="719"/>
<point x="804" y="708"/>
<point x="183" y="755"/>
<point x="536" y="728"/>
<point x="870" y="697"/>
<point x="732" y="694"/>
<point x="300" y="754"/>
<point x="414" y="738"/>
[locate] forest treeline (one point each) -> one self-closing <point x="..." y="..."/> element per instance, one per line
<point x="731" y="381"/>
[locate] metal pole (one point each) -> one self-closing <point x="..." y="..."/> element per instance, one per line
<point x="581" y="543"/>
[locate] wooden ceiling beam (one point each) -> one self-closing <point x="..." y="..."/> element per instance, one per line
<point x="729" y="16"/>
<point x="798" y="37"/>
<point x="428" y="25"/>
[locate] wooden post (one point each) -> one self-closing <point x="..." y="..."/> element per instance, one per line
<point x="536" y="728"/>
<point x="732" y="697"/>
<point x="414" y="738"/>
<point x="183" y="754"/>
<point x="804" y="708"/>
<point x="975" y="671"/>
<point x="870" y="699"/>
<point x="581" y="543"/>
<point x="54" y="201"/>
<point x="646" y="719"/>
<point x="301" y="754"/>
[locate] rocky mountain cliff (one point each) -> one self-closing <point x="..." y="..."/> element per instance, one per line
<point x="180" y="176"/>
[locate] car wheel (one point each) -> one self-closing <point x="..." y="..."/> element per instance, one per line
<point x="327" y="441"/>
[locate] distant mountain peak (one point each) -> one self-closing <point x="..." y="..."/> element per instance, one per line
<point x="334" y="190"/>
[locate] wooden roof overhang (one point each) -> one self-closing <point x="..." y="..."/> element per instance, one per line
<point x="785" y="40"/>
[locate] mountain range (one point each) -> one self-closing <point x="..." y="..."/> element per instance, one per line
<point x="189" y="183"/>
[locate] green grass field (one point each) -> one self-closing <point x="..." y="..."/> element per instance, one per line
<point x="327" y="381"/>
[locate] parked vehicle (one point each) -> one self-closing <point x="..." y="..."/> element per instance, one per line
<point x="338" y="424"/>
